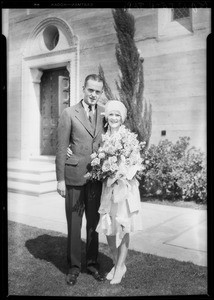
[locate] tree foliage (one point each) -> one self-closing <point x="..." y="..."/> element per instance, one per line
<point x="106" y="88"/>
<point x="130" y="85"/>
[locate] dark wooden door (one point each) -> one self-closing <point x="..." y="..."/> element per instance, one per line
<point x="50" y="108"/>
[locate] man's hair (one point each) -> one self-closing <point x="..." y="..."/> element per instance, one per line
<point x="94" y="77"/>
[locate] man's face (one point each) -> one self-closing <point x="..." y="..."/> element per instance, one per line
<point x="92" y="91"/>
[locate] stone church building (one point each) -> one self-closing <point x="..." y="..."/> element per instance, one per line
<point x="51" y="51"/>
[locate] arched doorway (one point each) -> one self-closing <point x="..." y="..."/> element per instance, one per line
<point x="51" y="52"/>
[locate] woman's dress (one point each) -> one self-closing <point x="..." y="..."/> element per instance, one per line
<point x="120" y="209"/>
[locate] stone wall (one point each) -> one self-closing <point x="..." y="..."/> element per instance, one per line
<point x="174" y="65"/>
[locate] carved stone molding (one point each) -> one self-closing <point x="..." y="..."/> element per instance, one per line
<point x="35" y="40"/>
<point x="68" y="67"/>
<point x="43" y="55"/>
<point x="61" y="24"/>
<point x="36" y="75"/>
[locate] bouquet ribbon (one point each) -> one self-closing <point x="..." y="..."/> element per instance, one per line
<point x="127" y="190"/>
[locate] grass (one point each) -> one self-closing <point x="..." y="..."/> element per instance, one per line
<point x="37" y="267"/>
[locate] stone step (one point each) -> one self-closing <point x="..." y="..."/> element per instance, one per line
<point x="32" y="189"/>
<point x="31" y="177"/>
<point x="30" y="166"/>
<point x="43" y="158"/>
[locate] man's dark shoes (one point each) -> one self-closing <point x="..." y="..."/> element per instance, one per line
<point x="95" y="273"/>
<point x="71" y="279"/>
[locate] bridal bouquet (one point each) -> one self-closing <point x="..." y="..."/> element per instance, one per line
<point x="118" y="157"/>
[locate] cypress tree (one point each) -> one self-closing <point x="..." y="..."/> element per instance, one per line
<point x="131" y="79"/>
<point x="106" y="88"/>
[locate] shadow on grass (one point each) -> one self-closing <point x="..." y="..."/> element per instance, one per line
<point x="37" y="260"/>
<point x="53" y="249"/>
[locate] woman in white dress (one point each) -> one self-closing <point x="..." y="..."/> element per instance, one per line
<point x="120" y="206"/>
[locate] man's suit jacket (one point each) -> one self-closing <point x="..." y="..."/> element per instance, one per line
<point x="74" y="128"/>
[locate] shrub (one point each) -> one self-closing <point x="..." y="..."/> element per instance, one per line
<point x="193" y="176"/>
<point x="175" y="171"/>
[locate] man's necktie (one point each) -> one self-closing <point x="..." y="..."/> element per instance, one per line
<point x="90" y="114"/>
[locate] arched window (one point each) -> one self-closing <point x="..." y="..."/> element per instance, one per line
<point x="51" y="37"/>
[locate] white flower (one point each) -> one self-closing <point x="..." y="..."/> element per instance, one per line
<point x="93" y="155"/>
<point x="101" y="155"/>
<point x="95" y="162"/>
<point x="112" y="159"/>
<point x="106" y="166"/>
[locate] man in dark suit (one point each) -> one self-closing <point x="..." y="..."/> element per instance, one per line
<point x="81" y="127"/>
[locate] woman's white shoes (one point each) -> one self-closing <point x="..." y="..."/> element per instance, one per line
<point x="110" y="275"/>
<point x="118" y="275"/>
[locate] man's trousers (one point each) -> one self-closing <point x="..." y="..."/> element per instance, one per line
<point x="78" y="199"/>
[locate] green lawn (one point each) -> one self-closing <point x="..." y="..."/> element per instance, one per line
<point x="37" y="267"/>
